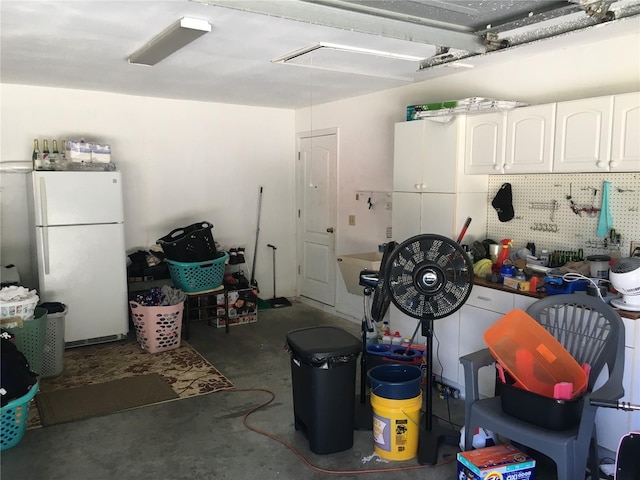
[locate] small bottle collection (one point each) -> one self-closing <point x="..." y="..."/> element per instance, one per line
<point x="48" y="160"/>
<point x="74" y="155"/>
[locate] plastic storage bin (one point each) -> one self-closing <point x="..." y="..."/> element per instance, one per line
<point x="158" y="328"/>
<point x="30" y="339"/>
<point x="323" y="371"/>
<point x="532" y="356"/>
<point x="197" y="276"/>
<point x="15" y="416"/>
<point x="190" y="244"/>
<point x="542" y="411"/>
<point x="53" y="356"/>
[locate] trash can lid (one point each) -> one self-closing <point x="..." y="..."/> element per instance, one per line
<point x="317" y="344"/>
<point x="53" y="307"/>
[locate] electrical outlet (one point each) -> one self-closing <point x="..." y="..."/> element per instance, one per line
<point x="635" y="249"/>
<point x="389" y="235"/>
<point x="352" y="220"/>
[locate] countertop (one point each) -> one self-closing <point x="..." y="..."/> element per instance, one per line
<point x="499" y="286"/>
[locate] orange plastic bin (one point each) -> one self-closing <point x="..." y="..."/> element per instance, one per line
<point x="532" y="356"/>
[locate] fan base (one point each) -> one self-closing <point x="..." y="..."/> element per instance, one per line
<point x="429" y="442"/>
<point x="625" y="305"/>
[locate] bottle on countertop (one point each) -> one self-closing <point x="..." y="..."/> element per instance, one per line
<point x="396" y="339"/>
<point x="505" y="251"/>
<point x="544" y="257"/>
<point x="386" y="338"/>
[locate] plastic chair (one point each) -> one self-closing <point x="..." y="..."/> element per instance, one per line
<point x="593" y="333"/>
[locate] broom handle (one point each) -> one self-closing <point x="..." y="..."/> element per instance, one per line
<point x="274" y="268"/>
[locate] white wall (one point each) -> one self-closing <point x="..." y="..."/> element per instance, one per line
<point x="365" y="123"/>
<point x="182" y="162"/>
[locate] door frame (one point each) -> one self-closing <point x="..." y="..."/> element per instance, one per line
<point x="299" y="136"/>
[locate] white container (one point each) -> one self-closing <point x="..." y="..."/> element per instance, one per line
<point x="599" y="265"/>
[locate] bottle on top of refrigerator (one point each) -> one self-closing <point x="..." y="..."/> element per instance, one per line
<point x="35" y="156"/>
<point x="46" y="161"/>
<point x="54" y="156"/>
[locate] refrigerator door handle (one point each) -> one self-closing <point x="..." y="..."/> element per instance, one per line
<point x="45" y="249"/>
<point x="43" y="202"/>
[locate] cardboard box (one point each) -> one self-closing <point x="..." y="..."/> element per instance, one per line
<point x="500" y="462"/>
<point x="240" y="320"/>
<point x="242" y="307"/>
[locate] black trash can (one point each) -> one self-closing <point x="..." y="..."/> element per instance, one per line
<point x="323" y="373"/>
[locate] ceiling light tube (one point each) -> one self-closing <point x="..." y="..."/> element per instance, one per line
<point x="178" y="35"/>
<point x="345" y="48"/>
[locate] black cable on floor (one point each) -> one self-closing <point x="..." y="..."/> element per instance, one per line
<point x="301" y="457"/>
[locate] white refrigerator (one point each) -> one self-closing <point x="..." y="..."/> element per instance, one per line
<point x="79" y="251"/>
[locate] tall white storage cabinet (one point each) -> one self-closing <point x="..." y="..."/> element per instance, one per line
<point x="431" y="193"/>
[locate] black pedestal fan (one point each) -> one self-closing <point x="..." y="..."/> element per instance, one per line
<point x="429" y="277"/>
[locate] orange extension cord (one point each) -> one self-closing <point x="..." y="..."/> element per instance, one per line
<point x="301" y="457"/>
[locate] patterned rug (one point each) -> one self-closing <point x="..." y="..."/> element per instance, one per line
<point x="183" y="368"/>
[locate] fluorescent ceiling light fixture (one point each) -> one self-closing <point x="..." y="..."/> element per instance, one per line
<point x="172" y="39"/>
<point x="347" y="59"/>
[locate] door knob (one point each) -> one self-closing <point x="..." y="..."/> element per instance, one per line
<point x="330" y="230"/>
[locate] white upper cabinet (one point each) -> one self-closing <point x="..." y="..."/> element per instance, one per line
<point x="424" y="158"/>
<point x="484" y="144"/>
<point x="625" y="139"/>
<point x="590" y="135"/>
<point x="583" y="141"/>
<point x="529" y="139"/>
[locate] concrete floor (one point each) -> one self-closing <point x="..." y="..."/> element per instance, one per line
<point x="204" y="437"/>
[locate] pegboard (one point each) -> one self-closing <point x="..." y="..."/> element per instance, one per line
<point x="534" y="195"/>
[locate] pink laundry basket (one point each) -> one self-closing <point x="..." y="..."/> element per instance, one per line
<point x="158" y="328"/>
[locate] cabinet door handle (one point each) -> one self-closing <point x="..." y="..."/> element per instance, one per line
<point x="417" y="185"/>
<point x="601" y="164"/>
<point x="487" y="299"/>
<point x="497" y="167"/>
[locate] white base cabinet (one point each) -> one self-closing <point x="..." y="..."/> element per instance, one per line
<point x="613" y="424"/>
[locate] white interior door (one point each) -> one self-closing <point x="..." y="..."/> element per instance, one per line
<point x="317" y="212"/>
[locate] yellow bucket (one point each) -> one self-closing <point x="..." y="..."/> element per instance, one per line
<point x="395" y="427"/>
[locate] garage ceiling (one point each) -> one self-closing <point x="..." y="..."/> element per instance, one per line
<point x="348" y="47"/>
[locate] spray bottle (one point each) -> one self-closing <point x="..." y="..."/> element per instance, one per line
<point x="504" y="252"/>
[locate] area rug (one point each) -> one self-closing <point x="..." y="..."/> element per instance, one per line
<point x="183" y="369"/>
